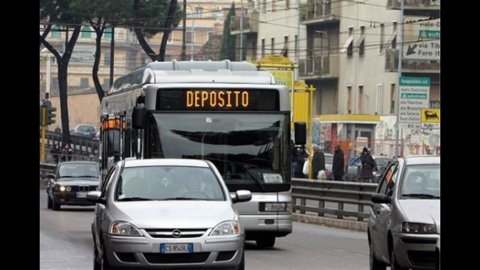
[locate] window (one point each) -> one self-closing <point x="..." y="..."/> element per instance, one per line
<point x="349" y="99"/>
<point x="188" y="37"/>
<point x="360" y="99"/>
<point x="263" y="47"/>
<point x="107" y="58"/>
<point x="264" y="6"/>
<point x="86" y="32"/>
<point x="272" y="48"/>
<point x="296" y="47"/>
<point x="56" y="33"/>
<point x="84" y="82"/>
<point x="198" y="12"/>
<point x="348" y="46"/>
<point x="107" y="33"/>
<point x="287" y="4"/>
<point x="285" y="46"/>
<point x="361" y="41"/>
<point x="393" y="42"/>
<point x="392" y="98"/>
<point x="382" y="36"/>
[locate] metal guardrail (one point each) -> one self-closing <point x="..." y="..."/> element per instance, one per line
<point x="341" y="193"/>
<point x="83" y="148"/>
<point x="46" y="169"/>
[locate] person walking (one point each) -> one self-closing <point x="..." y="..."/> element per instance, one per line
<point x="368" y="165"/>
<point x="338" y="165"/>
<point x="318" y="161"/>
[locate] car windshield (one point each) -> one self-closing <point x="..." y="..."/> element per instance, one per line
<point x="89" y="171"/>
<point x="421" y="181"/>
<point x="168" y="183"/>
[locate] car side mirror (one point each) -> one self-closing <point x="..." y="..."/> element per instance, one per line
<point x="380" y="198"/>
<point x="95" y="196"/>
<point x="241" y="196"/>
<point x="51" y="176"/>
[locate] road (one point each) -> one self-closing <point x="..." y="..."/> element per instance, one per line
<point x="66" y="243"/>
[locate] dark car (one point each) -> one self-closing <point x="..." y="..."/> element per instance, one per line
<point x="84" y="130"/>
<point x="71" y="182"/>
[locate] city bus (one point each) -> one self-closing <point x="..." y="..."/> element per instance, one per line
<point x="230" y="113"/>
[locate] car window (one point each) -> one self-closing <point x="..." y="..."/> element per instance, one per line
<point x="167" y="183"/>
<point x="421" y="180"/>
<point x="89" y="171"/>
<point x="388" y="179"/>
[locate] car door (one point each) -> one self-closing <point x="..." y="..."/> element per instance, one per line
<point x="100" y="207"/>
<point x="381" y="214"/>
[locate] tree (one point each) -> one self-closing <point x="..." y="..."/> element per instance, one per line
<point x="228" y="42"/>
<point x="70" y="14"/>
<point x="152" y="17"/>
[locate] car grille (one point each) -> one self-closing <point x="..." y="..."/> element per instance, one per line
<point x="416" y="240"/>
<point x="84" y="188"/>
<point x="422" y="258"/>
<point x="175" y="233"/>
<point x="225" y="255"/>
<point x="177" y="258"/>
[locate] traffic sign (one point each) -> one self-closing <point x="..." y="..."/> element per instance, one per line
<point x="414" y="96"/>
<point x="421" y="38"/>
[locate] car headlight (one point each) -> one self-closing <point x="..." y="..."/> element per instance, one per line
<point x="276" y="207"/>
<point x="123" y="228"/>
<point x="230" y="227"/>
<point x="409" y="227"/>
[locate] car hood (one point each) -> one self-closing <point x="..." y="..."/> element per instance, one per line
<point x="87" y="181"/>
<point x="421" y="210"/>
<point x="178" y="214"/>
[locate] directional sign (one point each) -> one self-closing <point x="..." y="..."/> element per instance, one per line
<point x="414" y="96"/>
<point x="421" y="38"/>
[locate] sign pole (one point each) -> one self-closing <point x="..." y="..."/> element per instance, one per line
<point x="400" y="53"/>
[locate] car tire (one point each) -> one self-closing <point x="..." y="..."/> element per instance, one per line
<point x="242" y="262"/>
<point x="55" y="205"/>
<point x="265" y="242"/>
<point x="393" y="262"/>
<point x="375" y="264"/>
<point x="96" y="264"/>
<point x="49" y="202"/>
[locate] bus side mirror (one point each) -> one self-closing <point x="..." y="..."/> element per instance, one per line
<point x="139" y="117"/>
<point x="300" y="133"/>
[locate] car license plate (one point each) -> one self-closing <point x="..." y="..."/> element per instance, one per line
<point x="176" y="248"/>
<point x="81" y="194"/>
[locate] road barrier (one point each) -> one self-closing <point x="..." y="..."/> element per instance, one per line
<point x="322" y="197"/>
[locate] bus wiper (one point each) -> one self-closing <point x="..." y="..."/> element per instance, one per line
<point x="421" y="195"/>
<point x="134" y="199"/>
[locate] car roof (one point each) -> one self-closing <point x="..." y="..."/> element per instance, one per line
<point x="413" y="160"/>
<point x="166" y="162"/>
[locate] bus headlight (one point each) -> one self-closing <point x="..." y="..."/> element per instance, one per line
<point x="276" y="207"/>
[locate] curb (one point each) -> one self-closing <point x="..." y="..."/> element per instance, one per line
<point x="332" y="222"/>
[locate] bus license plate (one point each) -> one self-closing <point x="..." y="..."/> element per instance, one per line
<point x="176" y="248"/>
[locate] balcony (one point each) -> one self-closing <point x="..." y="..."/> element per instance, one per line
<point x="414" y="4"/>
<point x="250" y="24"/>
<point x="319" y="11"/>
<point x="319" y="67"/>
<point x="409" y="65"/>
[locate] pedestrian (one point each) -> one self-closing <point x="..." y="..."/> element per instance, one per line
<point x="338" y="166"/>
<point x="300" y="157"/>
<point x="318" y="161"/>
<point x="368" y="166"/>
<point x="67" y="153"/>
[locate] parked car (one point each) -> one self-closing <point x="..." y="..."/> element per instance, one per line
<point x="404" y="224"/>
<point x="84" y="130"/>
<point x="353" y="169"/>
<point x="71" y="182"/>
<point x="167" y="213"/>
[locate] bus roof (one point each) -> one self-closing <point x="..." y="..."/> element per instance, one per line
<point x="194" y="72"/>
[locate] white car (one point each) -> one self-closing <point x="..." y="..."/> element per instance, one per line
<point x="404" y="223"/>
<point x="167" y="213"/>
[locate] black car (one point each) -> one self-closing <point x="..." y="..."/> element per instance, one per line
<point x="71" y="182"/>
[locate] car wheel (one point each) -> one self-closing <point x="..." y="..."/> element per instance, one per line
<point x="49" y="202"/>
<point x="242" y="262"/>
<point x="104" y="262"/>
<point x="266" y="242"/>
<point x="393" y="262"/>
<point x="96" y="264"/>
<point x="374" y="263"/>
<point x="55" y="205"/>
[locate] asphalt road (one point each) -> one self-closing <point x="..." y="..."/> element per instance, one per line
<point x="66" y="243"/>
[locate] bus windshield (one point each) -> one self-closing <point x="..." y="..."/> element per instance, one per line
<point x="249" y="150"/>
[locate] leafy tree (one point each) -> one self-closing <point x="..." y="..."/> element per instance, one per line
<point x="152" y="17"/>
<point x="70" y="14"/>
<point x="228" y="42"/>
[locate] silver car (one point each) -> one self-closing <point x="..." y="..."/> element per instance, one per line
<point x="404" y="224"/>
<point x="167" y="213"/>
